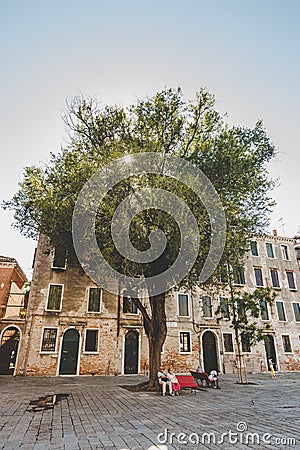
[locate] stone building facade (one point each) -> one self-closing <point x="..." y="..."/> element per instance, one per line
<point x="75" y="328"/>
<point x="13" y="301"/>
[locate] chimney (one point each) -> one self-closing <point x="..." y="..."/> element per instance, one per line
<point x="274" y="232"/>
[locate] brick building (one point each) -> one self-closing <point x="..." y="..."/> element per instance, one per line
<point x="13" y="300"/>
<point x="73" y="327"/>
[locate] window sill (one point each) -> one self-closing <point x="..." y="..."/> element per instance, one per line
<point x="48" y="353"/>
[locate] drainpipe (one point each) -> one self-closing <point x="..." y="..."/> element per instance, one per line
<point x="27" y="349"/>
<point x="119" y="312"/>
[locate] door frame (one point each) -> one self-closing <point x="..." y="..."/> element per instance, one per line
<point x="17" y="357"/>
<point x="60" y="352"/>
<point x="217" y="349"/>
<point x="276" y="353"/>
<point x="139" y="352"/>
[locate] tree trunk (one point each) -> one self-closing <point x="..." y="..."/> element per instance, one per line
<point x="242" y="376"/>
<point x="156" y="335"/>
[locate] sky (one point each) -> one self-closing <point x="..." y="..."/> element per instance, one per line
<point x="245" y="52"/>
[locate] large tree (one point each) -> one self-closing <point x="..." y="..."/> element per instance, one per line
<point x="233" y="158"/>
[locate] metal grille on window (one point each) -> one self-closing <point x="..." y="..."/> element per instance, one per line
<point x="185" y="345"/>
<point x="49" y="340"/>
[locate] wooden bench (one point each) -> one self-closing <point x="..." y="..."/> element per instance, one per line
<point x="199" y="377"/>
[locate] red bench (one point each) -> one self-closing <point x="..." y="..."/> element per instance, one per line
<point x="188" y="382"/>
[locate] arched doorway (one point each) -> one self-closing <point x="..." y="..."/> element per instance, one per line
<point x="209" y="346"/>
<point x="69" y="353"/>
<point x="270" y="350"/>
<point x="131" y="357"/>
<point x="9" y="350"/>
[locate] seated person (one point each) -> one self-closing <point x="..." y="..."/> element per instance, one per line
<point x="213" y="378"/>
<point x="164" y="381"/>
<point x="174" y="381"/>
<point x="200" y="370"/>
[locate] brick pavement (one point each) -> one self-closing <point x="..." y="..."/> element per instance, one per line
<point x="99" y="414"/>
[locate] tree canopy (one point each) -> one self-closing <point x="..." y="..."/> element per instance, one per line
<point x="234" y="159"/>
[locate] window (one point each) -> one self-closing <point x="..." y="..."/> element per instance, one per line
<point x="54" y="297"/>
<point x="224" y="307"/>
<point x="270" y="251"/>
<point x="254" y="248"/>
<point x="185" y="342"/>
<point x="49" y="340"/>
<point x="241" y="311"/>
<point x="228" y="342"/>
<point x="238" y="275"/>
<point x="296" y="309"/>
<point x="91" y="341"/>
<point x="129" y="306"/>
<point x="183" y="305"/>
<point x="285" y="252"/>
<point x="264" y="310"/>
<point x="206" y="306"/>
<point x="280" y="312"/>
<point x="59" y="259"/>
<point x="297" y="252"/>
<point x="258" y="276"/>
<point x="223" y="274"/>
<point x="245" y="340"/>
<point x="94" y="300"/>
<point x="291" y="280"/>
<point x="275" y="278"/>
<point x="286" y="342"/>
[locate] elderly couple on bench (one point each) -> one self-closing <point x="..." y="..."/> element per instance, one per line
<point x="168" y="378"/>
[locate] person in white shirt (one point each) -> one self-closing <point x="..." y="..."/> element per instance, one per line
<point x="164" y="381"/>
<point x="213" y="378"/>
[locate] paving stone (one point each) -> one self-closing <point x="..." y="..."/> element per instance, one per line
<point x="99" y="414"/>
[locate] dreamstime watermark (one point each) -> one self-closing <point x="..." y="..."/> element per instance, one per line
<point x="239" y="436"/>
<point x="101" y="183"/>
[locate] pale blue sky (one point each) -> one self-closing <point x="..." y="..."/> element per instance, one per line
<point x="245" y="52"/>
